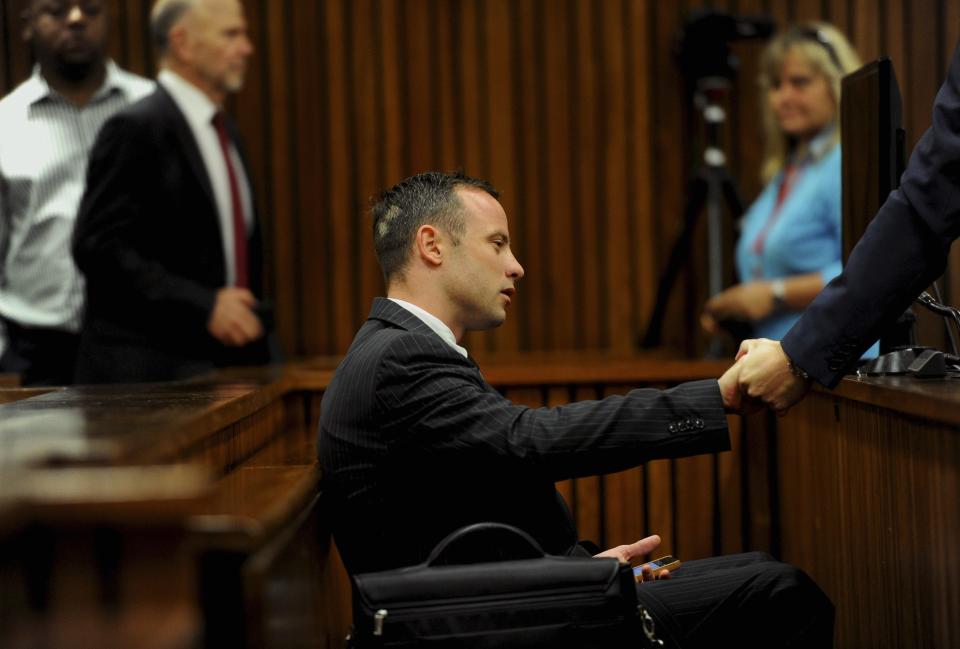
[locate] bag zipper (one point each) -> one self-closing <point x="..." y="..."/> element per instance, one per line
<point x="418" y="610"/>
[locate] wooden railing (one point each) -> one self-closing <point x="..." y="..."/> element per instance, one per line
<point x="164" y="516"/>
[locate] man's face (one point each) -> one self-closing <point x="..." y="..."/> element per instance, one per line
<point x="482" y="274"/>
<point x="217" y="45"/>
<point x="69" y="34"/>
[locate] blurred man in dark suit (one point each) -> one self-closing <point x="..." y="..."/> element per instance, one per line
<point x="414" y="444"/>
<point x="47" y="127"/>
<point x="167" y="236"/>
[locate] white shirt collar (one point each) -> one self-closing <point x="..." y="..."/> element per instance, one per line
<point x="434" y="323"/>
<point x="196" y="106"/>
<point x="112" y="81"/>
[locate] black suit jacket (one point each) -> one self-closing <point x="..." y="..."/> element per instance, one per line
<point x="148" y="242"/>
<point x="414" y="444"/>
<point x="902" y="251"/>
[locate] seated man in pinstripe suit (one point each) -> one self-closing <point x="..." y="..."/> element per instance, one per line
<point x="414" y="443"/>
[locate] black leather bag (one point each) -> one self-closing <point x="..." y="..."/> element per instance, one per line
<point x="490" y="585"/>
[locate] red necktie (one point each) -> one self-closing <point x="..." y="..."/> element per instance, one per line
<point x="239" y="224"/>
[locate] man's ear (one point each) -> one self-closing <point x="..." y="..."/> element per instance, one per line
<point x="178" y="42"/>
<point x="430" y="245"/>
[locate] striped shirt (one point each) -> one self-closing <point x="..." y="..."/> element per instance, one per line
<point x="45" y="141"/>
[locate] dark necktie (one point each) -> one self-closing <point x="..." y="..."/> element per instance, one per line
<point x="239" y="223"/>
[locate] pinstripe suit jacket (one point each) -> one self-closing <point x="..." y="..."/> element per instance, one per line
<point x="414" y="444"/>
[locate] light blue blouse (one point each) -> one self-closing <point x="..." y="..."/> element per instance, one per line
<point x="805" y="236"/>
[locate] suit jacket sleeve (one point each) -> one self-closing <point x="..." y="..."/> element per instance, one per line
<point x="424" y="397"/>
<point x="122" y="179"/>
<point x="903" y="250"/>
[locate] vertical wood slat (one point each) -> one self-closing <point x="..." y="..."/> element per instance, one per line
<point x="806" y="11"/>
<point x="669" y="172"/>
<point x="304" y="197"/>
<point x="533" y="302"/>
<point x="866" y="29"/>
<point x="138" y="46"/>
<point x="20" y="57"/>
<point x="367" y="76"/>
<point x="586" y="128"/>
<point x="556" y="190"/>
<point x="445" y="106"/>
<point x="500" y="161"/>
<point x="278" y="200"/>
<point x="339" y="204"/>
<point x="640" y="197"/>
<point x="418" y="41"/>
<point x="619" y="333"/>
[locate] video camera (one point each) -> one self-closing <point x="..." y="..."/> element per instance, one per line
<point x="704" y="43"/>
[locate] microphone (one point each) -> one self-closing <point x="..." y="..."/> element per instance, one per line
<point x="944" y="310"/>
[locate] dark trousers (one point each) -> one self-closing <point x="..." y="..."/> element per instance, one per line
<point x="40" y="356"/>
<point x="740" y="600"/>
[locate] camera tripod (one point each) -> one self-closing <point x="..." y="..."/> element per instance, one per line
<point x="710" y="188"/>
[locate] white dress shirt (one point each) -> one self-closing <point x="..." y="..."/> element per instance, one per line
<point x="435" y="323"/>
<point x="45" y="142"/>
<point x="198" y="110"/>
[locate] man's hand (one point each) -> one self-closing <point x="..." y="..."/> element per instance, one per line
<point x="233" y="321"/>
<point x="765" y="375"/>
<point x="627" y="553"/>
<point x="734" y="400"/>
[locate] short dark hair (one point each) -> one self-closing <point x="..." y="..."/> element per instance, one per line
<point x="427" y="198"/>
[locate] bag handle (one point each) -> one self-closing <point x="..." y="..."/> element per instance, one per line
<point x="484" y="542"/>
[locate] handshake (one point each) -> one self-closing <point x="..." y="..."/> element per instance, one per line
<point x="762" y="375"/>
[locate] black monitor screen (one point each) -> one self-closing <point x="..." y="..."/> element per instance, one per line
<point x="872" y="142"/>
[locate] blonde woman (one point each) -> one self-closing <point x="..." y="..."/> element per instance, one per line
<point x="789" y="247"/>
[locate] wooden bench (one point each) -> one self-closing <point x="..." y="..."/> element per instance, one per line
<point x="165" y="516"/>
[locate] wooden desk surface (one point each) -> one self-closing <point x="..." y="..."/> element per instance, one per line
<point x="141" y="423"/>
<point x="933" y="399"/>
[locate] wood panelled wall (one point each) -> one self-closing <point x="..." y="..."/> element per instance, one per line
<point x="575" y="109"/>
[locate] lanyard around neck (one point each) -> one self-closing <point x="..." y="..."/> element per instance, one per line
<point x="787" y="182"/>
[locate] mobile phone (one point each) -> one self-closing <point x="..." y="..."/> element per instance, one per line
<point x="668" y="562"/>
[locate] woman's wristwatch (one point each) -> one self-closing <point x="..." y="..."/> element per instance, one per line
<point x="779" y="290"/>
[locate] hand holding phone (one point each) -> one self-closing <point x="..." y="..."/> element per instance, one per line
<point x="656" y="567"/>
